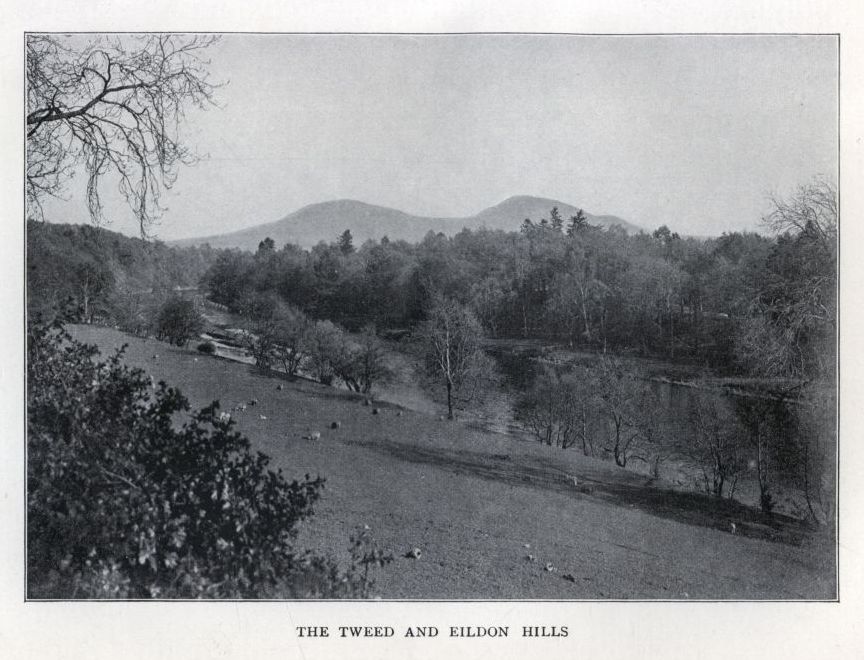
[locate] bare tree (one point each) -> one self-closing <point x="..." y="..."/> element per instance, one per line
<point x="812" y="208"/>
<point x="111" y="103"/>
<point x="794" y="314"/>
<point x="454" y="353"/>
<point x="555" y="409"/>
<point x="629" y="408"/>
<point x="717" y="444"/>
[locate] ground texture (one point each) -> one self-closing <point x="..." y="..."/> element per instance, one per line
<point x="491" y="512"/>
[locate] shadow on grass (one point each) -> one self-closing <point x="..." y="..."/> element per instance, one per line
<point x="625" y="489"/>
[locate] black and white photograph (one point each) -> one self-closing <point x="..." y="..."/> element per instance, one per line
<point x="395" y="329"/>
<point x="431" y="316"/>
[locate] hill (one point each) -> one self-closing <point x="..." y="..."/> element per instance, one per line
<point x="325" y="221"/>
<point x="489" y="510"/>
<point x="86" y="266"/>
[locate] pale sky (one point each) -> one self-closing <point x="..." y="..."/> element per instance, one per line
<point x="690" y="131"/>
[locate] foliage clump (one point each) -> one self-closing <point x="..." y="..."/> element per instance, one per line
<point x="130" y="496"/>
<point x="179" y="321"/>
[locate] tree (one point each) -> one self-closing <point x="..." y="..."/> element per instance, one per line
<point x="262" y="313"/>
<point x="556" y="222"/>
<point x="555" y="409"/>
<point x="266" y="248"/>
<point x="578" y="223"/>
<point x="717" y="444"/>
<point x="629" y="409"/>
<point x="94" y="283"/>
<point x="795" y="311"/>
<point x="325" y="346"/>
<point x="346" y="242"/>
<point x="111" y="103"/>
<point x="179" y="320"/>
<point x="361" y="362"/>
<point x="290" y="338"/>
<point x="454" y="354"/>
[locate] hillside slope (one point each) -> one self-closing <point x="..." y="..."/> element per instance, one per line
<point x="480" y="505"/>
<point x="325" y="221"/>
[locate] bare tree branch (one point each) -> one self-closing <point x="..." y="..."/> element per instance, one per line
<point x="112" y="103"/>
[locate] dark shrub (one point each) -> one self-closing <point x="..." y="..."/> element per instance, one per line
<point x="178" y="321"/>
<point x="126" y="501"/>
<point x="207" y="347"/>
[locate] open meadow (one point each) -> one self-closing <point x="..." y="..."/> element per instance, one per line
<point x="494" y="516"/>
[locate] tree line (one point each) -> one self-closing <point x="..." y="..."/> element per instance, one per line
<point x="741" y="302"/>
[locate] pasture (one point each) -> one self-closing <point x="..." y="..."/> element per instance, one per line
<point x="494" y="515"/>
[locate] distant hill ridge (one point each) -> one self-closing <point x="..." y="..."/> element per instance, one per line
<point x="326" y="220"/>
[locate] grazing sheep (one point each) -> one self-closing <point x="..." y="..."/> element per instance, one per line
<point x="261" y="417"/>
<point x="335" y="425"/>
<point x="414" y="553"/>
<point x="224" y="417"/>
<point x="279" y="387"/>
<point x="253" y="402"/>
<point x="549" y="568"/>
<point x="399" y="414"/>
<point x="313" y="436"/>
<point x="733" y="527"/>
<point x="376" y="411"/>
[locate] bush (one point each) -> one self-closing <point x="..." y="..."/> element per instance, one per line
<point x="178" y="321"/>
<point x="126" y="502"/>
<point x="207" y="347"/>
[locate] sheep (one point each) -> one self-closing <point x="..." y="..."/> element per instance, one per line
<point x="224" y="417"/>
<point x="313" y="436"/>
<point x="376" y="411"/>
<point x="335" y="425"/>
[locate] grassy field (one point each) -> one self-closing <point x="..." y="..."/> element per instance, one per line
<point x="478" y="503"/>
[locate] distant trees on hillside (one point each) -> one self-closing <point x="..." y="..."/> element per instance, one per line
<point x="89" y="274"/>
<point x="715" y="301"/>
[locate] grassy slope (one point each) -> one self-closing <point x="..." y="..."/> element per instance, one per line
<point x="471" y="500"/>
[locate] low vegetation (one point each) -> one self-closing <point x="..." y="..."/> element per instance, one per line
<point x="131" y="496"/>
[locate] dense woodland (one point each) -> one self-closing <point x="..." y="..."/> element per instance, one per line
<point x="720" y="302"/>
